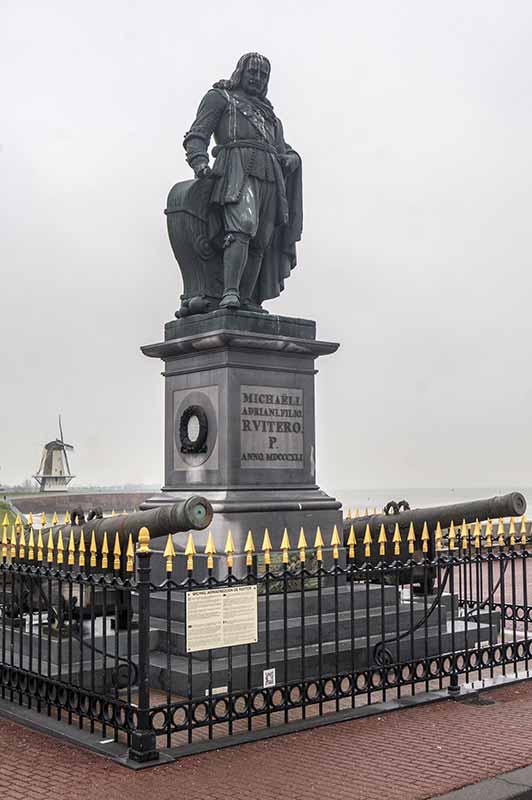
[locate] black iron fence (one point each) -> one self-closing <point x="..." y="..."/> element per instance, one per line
<point x="201" y="656"/>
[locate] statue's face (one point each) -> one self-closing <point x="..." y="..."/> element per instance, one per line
<point x="255" y="76"/>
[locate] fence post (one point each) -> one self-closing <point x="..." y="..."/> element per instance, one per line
<point x="143" y="739"/>
<point x="454" y="687"/>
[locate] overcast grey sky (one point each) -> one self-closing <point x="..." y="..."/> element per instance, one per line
<point x="414" y="122"/>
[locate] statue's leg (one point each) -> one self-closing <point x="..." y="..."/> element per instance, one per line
<point x="241" y="221"/>
<point x="251" y="273"/>
<point x="266" y="204"/>
<point x="235" y="257"/>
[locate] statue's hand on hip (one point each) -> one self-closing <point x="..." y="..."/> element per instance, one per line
<point x="203" y="171"/>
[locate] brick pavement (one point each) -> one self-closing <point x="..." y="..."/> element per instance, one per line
<point x="405" y="755"/>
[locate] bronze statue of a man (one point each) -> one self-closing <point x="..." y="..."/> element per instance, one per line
<point x="256" y="193"/>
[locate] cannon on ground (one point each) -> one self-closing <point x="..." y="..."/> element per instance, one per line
<point x="28" y="590"/>
<point x="194" y="513"/>
<point x="508" y="505"/>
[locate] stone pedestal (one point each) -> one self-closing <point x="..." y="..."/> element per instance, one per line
<point x="240" y="426"/>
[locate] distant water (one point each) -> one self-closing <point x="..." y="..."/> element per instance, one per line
<point x="420" y="498"/>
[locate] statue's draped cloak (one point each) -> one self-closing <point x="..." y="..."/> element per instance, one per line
<point x="233" y="117"/>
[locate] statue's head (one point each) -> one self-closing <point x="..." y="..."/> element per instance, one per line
<point x="252" y="74"/>
<point x="255" y="74"/>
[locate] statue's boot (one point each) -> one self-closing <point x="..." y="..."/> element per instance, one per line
<point x="249" y="279"/>
<point x="235" y="257"/>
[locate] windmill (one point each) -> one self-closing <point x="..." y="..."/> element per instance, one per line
<point x="54" y="471"/>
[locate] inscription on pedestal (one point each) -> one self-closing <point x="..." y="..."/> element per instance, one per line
<point x="271" y="427"/>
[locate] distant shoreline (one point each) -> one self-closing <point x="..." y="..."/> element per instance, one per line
<point x="119" y="500"/>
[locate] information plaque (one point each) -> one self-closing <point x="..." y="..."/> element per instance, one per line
<point x="221" y="617"/>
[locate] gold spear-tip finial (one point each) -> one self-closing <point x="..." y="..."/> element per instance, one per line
<point x="117" y="552"/>
<point x="4" y="542"/>
<point x="438" y="537"/>
<point x="66" y="519"/>
<point x="81" y="548"/>
<point x="396" y="540"/>
<point x="210" y="551"/>
<point x="266" y="547"/>
<point x="489" y="533"/>
<point x="452" y="536"/>
<point x="425" y="538"/>
<point x="30" y="519"/>
<point x="169" y="552"/>
<point x="55" y="519"/>
<point x="382" y="540"/>
<point x="351" y="541"/>
<point x="285" y="546"/>
<point x="71" y="559"/>
<point x="60" y="548"/>
<point x="249" y="549"/>
<point x="31" y="546"/>
<point x="190" y="552"/>
<point x="105" y="551"/>
<point x="130" y="554"/>
<point x="335" y="542"/>
<point x="229" y="543"/>
<point x="368" y="541"/>
<point x="464" y="534"/>
<point x="40" y="546"/>
<point x="43" y="519"/>
<point x="22" y="545"/>
<point x="13" y="543"/>
<point x="500" y="532"/>
<point x="319" y="544"/>
<point x="512" y="532"/>
<point x="50" y="547"/>
<point x="93" y="549"/>
<point x="476" y="535"/>
<point x="229" y="550"/>
<point x="5" y="523"/>
<point x="302" y="545"/>
<point x="411" y="538"/>
<point x="522" y="529"/>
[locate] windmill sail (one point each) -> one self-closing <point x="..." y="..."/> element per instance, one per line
<point x="64" y="446"/>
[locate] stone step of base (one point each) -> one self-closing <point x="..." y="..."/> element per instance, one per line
<point x="347" y="656"/>
<point x="64" y="649"/>
<point x="341" y="626"/>
<point x="353" y="595"/>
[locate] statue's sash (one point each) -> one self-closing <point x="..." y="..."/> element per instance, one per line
<point x="248" y="111"/>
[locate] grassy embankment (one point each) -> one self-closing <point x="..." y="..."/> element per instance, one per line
<point x="10" y="510"/>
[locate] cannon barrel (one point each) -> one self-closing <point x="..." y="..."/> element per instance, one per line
<point x="508" y="505"/>
<point x="194" y="513"/>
